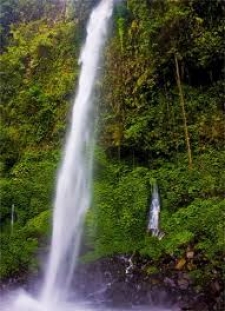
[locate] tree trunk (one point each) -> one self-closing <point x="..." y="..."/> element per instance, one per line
<point x="182" y="103"/>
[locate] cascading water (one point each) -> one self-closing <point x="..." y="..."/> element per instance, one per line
<point x="74" y="180"/>
<point x="153" y="224"/>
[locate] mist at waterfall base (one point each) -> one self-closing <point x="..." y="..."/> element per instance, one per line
<point x="73" y="190"/>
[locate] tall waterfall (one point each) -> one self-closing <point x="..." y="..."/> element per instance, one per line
<point x="73" y="190"/>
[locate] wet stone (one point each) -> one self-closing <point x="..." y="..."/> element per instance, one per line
<point x="215" y="286"/>
<point x="169" y="281"/>
<point x="190" y="255"/>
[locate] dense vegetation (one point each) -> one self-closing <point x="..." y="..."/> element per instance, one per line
<point x="161" y="119"/>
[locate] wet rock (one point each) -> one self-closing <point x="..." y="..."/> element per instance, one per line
<point x="215" y="286"/>
<point x="171" y="287"/>
<point x="106" y="281"/>
<point x="200" y="306"/>
<point x="190" y="255"/>
<point x="170" y="282"/>
<point x="183" y="284"/>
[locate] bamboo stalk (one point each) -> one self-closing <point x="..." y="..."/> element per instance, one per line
<point x="182" y="103"/>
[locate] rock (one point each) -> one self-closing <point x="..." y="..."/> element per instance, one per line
<point x="215" y="286"/>
<point x="170" y="282"/>
<point x="183" y="283"/>
<point x="201" y="306"/>
<point x="190" y="255"/>
<point x="181" y="263"/>
<point x="105" y="281"/>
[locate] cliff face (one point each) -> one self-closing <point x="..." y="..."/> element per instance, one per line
<point x="161" y="117"/>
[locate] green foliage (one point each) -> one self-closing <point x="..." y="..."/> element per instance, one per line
<point x="41" y="71"/>
<point x="19" y="248"/>
<point x="33" y="182"/>
<point x="141" y="129"/>
<point x="30" y="189"/>
<point x="17" y="254"/>
<point x="200" y="223"/>
<point x="16" y="11"/>
<point x="192" y="209"/>
<point x="179" y="185"/>
<point x="40" y="65"/>
<point x="117" y="222"/>
<point x="39" y="226"/>
<point x="140" y="83"/>
<point x="142" y="126"/>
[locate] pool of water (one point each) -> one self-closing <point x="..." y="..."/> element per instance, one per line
<point x="22" y="301"/>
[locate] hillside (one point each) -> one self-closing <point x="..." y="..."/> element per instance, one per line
<point x="159" y="117"/>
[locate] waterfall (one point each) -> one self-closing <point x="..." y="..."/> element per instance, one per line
<point x="73" y="191"/>
<point x="153" y="224"/>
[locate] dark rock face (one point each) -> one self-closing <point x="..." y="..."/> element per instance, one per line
<point x="114" y="281"/>
<point x="122" y="282"/>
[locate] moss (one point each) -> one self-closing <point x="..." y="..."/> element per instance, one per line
<point x="141" y="133"/>
<point x="152" y="270"/>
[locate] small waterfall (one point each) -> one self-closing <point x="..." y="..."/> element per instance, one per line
<point x="73" y="191"/>
<point x="153" y="224"/>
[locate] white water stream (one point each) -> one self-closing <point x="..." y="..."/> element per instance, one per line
<point x="153" y="224"/>
<point x="73" y="190"/>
